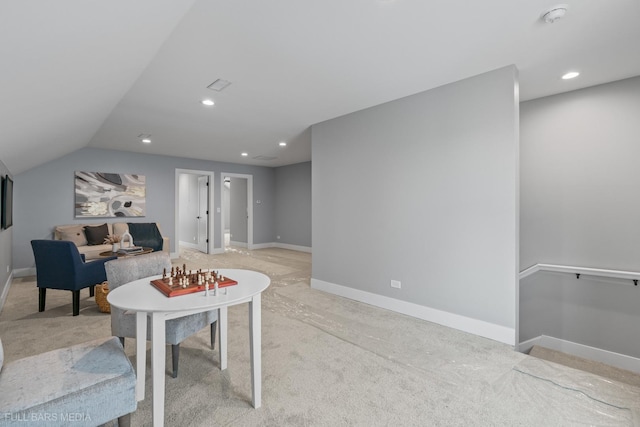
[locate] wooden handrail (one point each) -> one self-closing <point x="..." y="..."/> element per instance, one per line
<point x="616" y="274"/>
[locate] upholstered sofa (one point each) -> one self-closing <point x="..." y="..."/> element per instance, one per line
<point x="89" y="238"/>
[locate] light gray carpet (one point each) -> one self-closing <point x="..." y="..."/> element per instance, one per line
<point x="598" y="368"/>
<point x="329" y="361"/>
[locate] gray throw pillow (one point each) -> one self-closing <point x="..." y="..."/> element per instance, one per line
<point x="96" y="234"/>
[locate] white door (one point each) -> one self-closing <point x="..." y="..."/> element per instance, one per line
<point x="203" y="213"/>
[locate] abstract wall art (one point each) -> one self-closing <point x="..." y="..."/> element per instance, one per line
<point x="100" y="194"/>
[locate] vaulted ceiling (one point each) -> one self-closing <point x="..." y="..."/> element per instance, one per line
<point x="79" y="73"/>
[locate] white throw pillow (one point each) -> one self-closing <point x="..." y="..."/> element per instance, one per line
<point x="73" y="233"/>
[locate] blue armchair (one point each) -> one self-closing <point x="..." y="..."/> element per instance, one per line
<point x="59" y="265"/>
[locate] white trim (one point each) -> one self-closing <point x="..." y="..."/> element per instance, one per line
<point x="516" y="137"/>
<point x="587" y="271"/>
<point x="292" y="247"/>
<point x="210" y="226"/>
<point x="239" y="244"/>
<point x="618" y="360"/>
<point x="249" y="179"/>
<point x="526" y="346"/>
<point x="263" y="245"/>
<point x="477" y="327"/>
<point x="282" y="246"/>
<point x="24" y="272"/>
<point x="5" y="291"/>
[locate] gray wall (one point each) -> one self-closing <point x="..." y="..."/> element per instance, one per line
<point x="44" y="195"/>
<point x="293" y="204"/>
<point x="580" y="207"/>
<point x="423" y="190"/>
<point x="6" y="261"/>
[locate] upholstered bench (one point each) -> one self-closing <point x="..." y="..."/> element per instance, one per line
<point x="84" y="385"/>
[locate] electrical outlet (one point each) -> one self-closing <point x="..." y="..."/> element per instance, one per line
<point x="7" y="268"/>
<point x="278" y="237"/>
<point x="396" y="284"/>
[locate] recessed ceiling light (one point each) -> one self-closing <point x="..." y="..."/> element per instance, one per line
<point x="208" y="102"/>
<point x="145" y="138"/>
<point x="571" y="75"/>
<point x="244" y="154"/>
<point x="282" y="144"/>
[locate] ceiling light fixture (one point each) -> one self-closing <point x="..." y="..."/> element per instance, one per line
<point x="570" y="75"/>
<point x="208" y="102"/>
<point x="282" y="144"/>
<point x="555" y="13"/>
<point x="219" y="85"/>
<point x="244" y="154"/>
<point x="145" y="138"/>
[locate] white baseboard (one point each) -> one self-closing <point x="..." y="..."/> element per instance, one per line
<point x="254" y="246"/>
<point x="618" y="360"/>
<point x="281" y="246"/>
<point x="5" y="290"/>
<point x="455" y="321"/>
<point x="261" y="246"/>
<point x="24" y="272"/>
<point x="526" y="346"/>
<point x="292" y="247"/>
<point x="238" y="244"/>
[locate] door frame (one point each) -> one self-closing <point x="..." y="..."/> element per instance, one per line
<point x="249" y="179"/>
<point x="210" y="226"/>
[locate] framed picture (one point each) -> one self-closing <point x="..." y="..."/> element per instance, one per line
<point x="108" y="195"/>
<point x="6" y="219"/>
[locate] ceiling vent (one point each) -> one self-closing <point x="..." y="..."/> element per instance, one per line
<point x="266" y="158"/>
<point x="219" y="85"/>
<point x="555" y="13"/>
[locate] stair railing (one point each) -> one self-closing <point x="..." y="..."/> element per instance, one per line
<point x="587" y="271"/>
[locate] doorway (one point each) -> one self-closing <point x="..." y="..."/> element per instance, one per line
<point x="237" y="211"/>
<point x="194" y="222"/>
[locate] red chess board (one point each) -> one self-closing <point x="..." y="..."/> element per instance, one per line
<point x="172" y="291"/>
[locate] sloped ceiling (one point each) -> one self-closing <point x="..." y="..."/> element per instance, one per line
<point x="67" y="64"/>
<point x="93" y="73"/>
